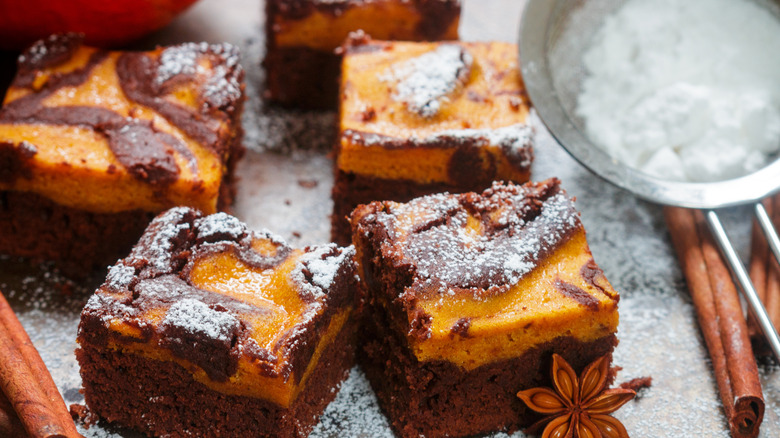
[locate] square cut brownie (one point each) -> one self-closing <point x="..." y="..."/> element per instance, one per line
<point x="302" y="36"/>
<point x="468" y="297"/>
<point x="94" y="143"/>
<point x="421" y="118"/>
<point x="208" y="329"/>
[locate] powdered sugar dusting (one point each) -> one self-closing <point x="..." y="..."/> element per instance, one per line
<point x="515" y="136"/>
<point x="424" y="82"/>
<point x="658" y="331"/>
<point x="181" y="59"/>
<point x="120" y="276"/>
<point x="324" y="269"/>
<point x="685" y="90"/>
<point x="98" y="303"/>
<point x="316" y="270"/>
<point x="38" y="51"/>
<point x="450" y="254"/>
<point x="219" y="226"/>
<point x="52" y="48"/>
<point x="266" y="234"/>
<point x="197" y="318"/>
<point x="223" y="86"/>
<point x="158" y="246"/>
<point x="515" y="140"/>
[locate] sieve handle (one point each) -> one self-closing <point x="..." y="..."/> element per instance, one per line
<point x="739" y="272"/>
<point x="768" y="228"/>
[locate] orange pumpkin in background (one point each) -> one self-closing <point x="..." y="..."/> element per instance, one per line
<point x="105" y="23"/>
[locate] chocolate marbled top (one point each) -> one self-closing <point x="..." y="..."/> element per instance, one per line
<point x="211" y="329"/>
<point x="481" y="244"/>
<point x="145" y="79"/>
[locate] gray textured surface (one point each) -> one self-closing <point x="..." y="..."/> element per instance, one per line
<point x="658" y="333"/>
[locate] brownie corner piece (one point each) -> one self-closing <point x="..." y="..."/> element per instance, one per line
<point x="468" y="297"/>
<point x="210" y="328"/>
<point x="94" y="143"/>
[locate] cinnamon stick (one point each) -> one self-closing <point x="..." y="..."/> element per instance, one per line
<point x="27" y="384"/>
<point x="765" y="273"/>
<point x="9" y="422"/>
<point x="721" y="321"/>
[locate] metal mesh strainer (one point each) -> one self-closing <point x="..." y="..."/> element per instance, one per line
<point x="553" y="37"/>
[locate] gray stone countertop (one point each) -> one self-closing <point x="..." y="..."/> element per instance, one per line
<point x="658" y="333"/>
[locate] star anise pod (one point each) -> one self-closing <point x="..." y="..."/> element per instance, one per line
<point x="578" y="408"/>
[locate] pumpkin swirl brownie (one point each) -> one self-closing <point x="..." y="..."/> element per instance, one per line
<point x="468" y="297"/>
<point x="421" y="118"/>
<point x="302" y="68"/>
<point x="94" y="143"/>
<point x="207" y="328"/>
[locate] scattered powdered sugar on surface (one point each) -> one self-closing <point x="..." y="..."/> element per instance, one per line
<point x="197" y="318"/>
<point x="355" y="409"/>
<point x="159" y="252"/>
<point x="270" y="128"/>
<point x="422" y="83"/>
<point x="370" y="138"/>
<point x="685" y="90"/>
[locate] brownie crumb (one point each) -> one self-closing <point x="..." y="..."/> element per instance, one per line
<point x="515" y="103"/>
<point x="368" y="114"/>
<point x="66" y="288"/>
<point x="638" y="384"/>
<point x="461" y="328"/>
<point x="82" y="415"/>
<point x="308" y="183"/>
<point x="475" y="97"/>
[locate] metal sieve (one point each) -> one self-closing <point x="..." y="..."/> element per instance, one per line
<point x="553" y="36"/>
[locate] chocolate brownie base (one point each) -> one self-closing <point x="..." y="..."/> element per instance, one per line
<point x="301" y="77"/>
<point x="162" y="399"/>
<point x="227" y="189"/>
<point x="351" y="190"/>
<point x="78" y="241"/>
<point x="436" y="399"/>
